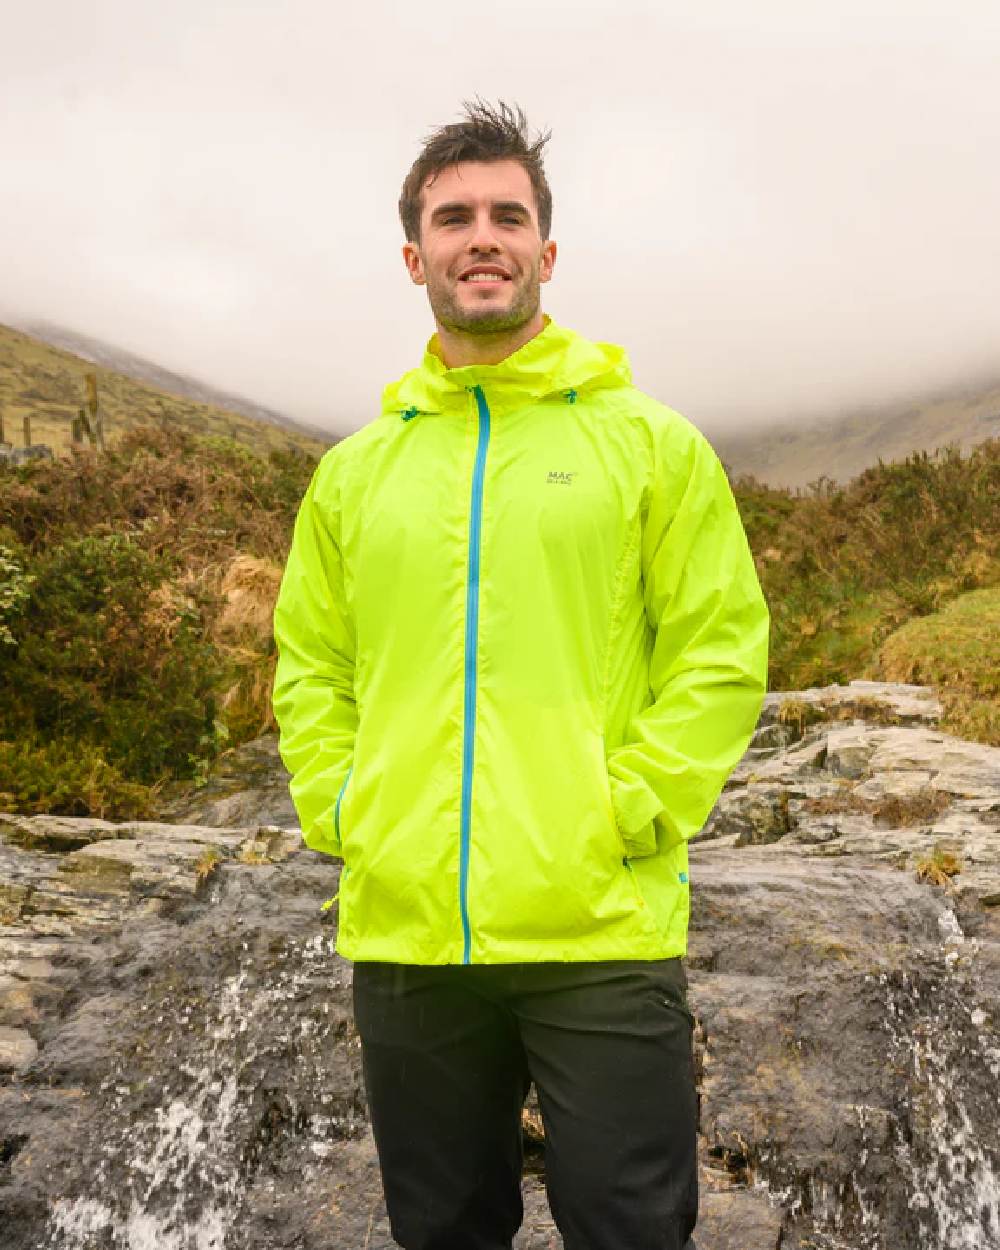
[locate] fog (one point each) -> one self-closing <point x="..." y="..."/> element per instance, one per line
<point x="780" y="210"/>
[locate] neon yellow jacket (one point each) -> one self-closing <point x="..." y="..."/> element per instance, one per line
<point x="522" y="645"/>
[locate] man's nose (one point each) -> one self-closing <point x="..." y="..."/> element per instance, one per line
<point x="483" y="237"/>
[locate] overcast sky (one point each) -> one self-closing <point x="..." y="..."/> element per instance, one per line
<point x="779" y="208"/>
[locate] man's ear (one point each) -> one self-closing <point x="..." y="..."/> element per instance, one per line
<point x="548" y="260"/>
<point x="414" y="263"/>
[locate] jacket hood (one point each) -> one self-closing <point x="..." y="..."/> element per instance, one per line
<point x="555" y="361"/>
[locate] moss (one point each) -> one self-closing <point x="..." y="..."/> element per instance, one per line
<point x="893" y="811"/>
<point x="920" y="808"/>
<point x="207" y="862"/>
<point x="956" y="650"/>
<point x="799" y="713"/>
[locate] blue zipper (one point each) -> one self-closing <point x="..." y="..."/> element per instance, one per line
<point x="336" y="810"/>
<point x="471" y="655"/>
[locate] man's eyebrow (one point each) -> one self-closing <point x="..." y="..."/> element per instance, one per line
<point x="458" y="206"/>
<point x="455" y="207"/>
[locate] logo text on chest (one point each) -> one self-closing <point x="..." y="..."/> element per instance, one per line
<point x="557" y="478"/>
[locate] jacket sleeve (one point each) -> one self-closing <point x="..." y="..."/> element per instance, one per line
<point x="314" y="700"/>
<point x="708" y="666"/>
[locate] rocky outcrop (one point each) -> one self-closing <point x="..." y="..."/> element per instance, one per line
<point x="862" y="770"/>
<point x="180" y="1067"/>
<point x="845" y="969"/>
<point x="21" y="455"/>
<point x="248" y="786"/>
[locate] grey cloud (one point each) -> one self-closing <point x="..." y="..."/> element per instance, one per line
<point x="779" y="211"/>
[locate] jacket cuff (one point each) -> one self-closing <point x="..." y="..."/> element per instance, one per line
<point x="635" y="807"/>
<point x="315" y="841"/>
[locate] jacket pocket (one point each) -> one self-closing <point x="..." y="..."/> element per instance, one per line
<point x="641" y="843"/>
<point x="637" y="844"/>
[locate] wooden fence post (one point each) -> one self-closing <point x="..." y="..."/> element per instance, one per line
<point x="27" y="430"/>
<point x="96" y="415"/>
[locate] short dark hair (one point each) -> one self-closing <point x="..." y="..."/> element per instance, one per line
<point x="488" y="133"/>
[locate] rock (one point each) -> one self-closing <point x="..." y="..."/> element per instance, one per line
<point x="741" y="1219"/>
<point x="849" y="751"/>
<point x="248" y="786"/>
<point x="762" y="816"/>
<point x="894" y="784"/>
<point x="801" y="761"/>
<point x="17" y="1007"/>
<point x="773" y="737"/>
<point x="152" y="865"/>
<point x="962" y="768"/>
<point x="978" y="779"/>
<point x="21" y="455"/>
<point x="105" y="868"/>
<point x="18" y="945"/>
<point x="817" y="987"/>
<point x="54" y="833"/>
<point x="28" y="989"/>
<point x="18" y="1049"/>
<point x="873" y="702"/>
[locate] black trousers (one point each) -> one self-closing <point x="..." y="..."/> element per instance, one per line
<point x="449" y="1054"/>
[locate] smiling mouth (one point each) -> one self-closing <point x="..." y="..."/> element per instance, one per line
<point x="484" y="276"/>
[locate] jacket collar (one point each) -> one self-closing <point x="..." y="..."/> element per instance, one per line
<point x="555" y="361"/>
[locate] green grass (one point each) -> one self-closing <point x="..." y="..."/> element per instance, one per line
<point x="956" y="650"/>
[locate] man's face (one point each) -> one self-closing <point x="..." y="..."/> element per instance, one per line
<point x="480" y="252"/>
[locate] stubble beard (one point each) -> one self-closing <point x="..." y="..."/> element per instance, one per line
<point x="486" y="321"/>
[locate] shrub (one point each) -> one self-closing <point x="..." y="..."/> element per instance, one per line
<point x="136" y="591"/>
<point x="844" y="567"/>
<point x="67" y="778"/>
<point x="243" y="632"/>
<point x="98" y="660"/>
<point x="939" y="866"/>
<point x="15" y="591"/>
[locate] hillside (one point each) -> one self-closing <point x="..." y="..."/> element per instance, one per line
<point x="46" y="383"/>
<point x="794" y="455"/>
<point x="118" y="360"/>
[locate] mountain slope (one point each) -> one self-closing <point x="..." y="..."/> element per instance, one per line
<point x="791" y="455"/>
<point x="118" y="360"/>
<point x="47" y="383"/>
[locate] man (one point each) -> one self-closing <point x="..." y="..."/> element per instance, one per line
<point x="522" y="645"/>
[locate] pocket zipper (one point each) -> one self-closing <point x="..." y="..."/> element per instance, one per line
<point x="330" y="901"/>
<point x="340" y="796"/>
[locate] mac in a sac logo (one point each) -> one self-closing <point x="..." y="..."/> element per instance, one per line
<point x="557" y="478"/>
